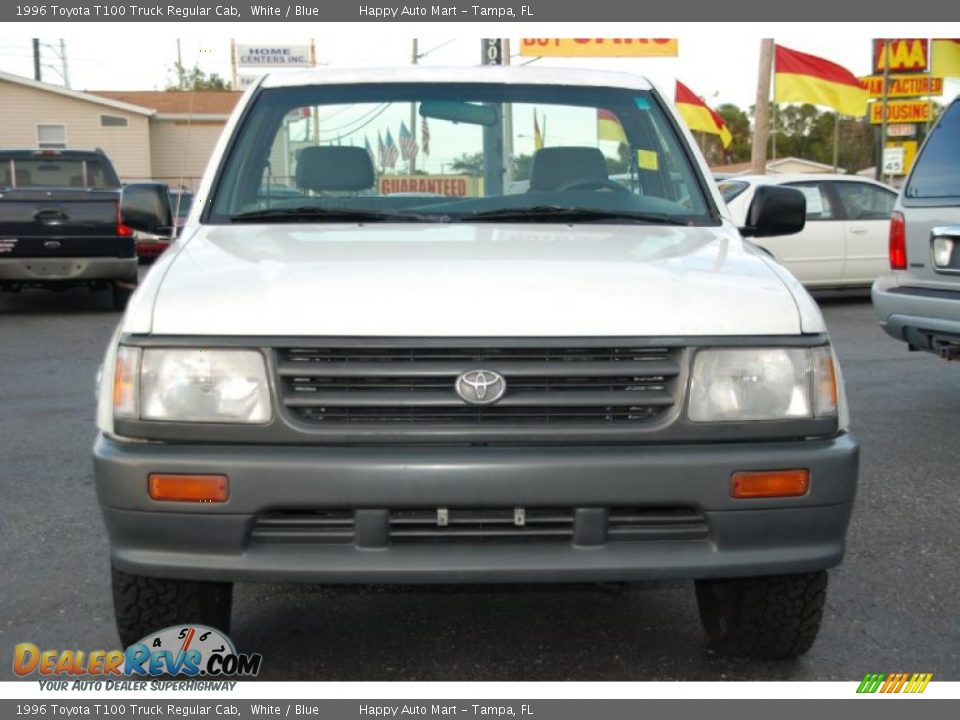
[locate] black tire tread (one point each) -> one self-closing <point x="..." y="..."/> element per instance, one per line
<point x="145" y="604"/>
<point x="770" y="618"/>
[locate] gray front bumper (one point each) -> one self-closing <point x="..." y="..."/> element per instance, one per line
<point x="213" y="541"/>
<point x="54" y="269"/>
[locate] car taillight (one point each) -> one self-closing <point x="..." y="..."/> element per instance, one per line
<point x="122" y="230"/>
<point x="898" y="242"/>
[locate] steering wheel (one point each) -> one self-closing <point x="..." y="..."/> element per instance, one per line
<point x="593" y="184"/>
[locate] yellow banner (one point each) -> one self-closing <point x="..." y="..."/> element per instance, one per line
<point x="902" y="86"/>
<point x="599" y="47"/>
<point x="901" y="111"/>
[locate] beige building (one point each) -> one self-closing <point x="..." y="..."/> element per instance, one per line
<point x="148" y="135"/>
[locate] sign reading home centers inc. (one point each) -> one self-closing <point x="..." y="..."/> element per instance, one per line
<point x="273" y="56"/>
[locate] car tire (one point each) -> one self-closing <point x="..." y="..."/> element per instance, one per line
<point x="769" y="618"/>
<point x="143" y="605"/>
<point x="121" y="295"/>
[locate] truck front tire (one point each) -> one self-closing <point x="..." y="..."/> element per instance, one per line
<point x="143" y="605"/>
<point x="769" y="618"/>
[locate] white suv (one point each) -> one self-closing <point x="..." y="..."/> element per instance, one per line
<point x="919" y="301"/>
<point x="366" y="361"/>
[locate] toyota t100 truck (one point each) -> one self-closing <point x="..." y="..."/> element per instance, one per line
<point x="476" y="325"/>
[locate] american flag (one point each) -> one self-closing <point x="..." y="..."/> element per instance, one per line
<point x="390" y="152"/>
<point x="381" y="150"/>
<point x="366" y="146"/>
<point x="408" y="145"/>
<point x="425" y="136"/>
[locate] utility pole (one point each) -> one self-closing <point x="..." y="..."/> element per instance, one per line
<point x="415" y="59"/>
<point x="507" y="123"/>
<point x="761" y="121"/>
<point x="36" y="60"/>
<point x="883" y="118"/>
<point x="63" y="63"/>
<point x="180" y="73"/>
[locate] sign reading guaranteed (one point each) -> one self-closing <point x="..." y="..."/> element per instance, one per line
<point x="273" y="56"/>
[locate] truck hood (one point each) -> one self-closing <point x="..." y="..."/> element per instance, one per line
<point x="464" y="280"/>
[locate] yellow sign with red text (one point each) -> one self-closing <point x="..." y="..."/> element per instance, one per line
<point x="449" y="185"/>
<point x="901" y="111"/>
<point x="902" y="86"/>
<point x="599" y="47"/>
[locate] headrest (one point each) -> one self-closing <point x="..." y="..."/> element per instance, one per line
<point x="555" y="167"/>
<point x="334" y="168"/>
<point x="23" y="178"/>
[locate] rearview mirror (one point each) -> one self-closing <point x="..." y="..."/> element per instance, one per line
<point x="775" y="210"/>
<point x="146" y="207"/>
<point x="461" y="112"/>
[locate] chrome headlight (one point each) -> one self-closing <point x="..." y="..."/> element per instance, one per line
<point x="762" y="384"/>
<point x="223" y="386"/>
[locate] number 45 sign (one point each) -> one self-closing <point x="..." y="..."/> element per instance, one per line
<point x="893" y="161"/>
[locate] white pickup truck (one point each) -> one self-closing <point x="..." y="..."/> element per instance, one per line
<point x="370" y="358"/>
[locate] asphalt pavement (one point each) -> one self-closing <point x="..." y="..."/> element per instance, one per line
<point x="893" y="606"/>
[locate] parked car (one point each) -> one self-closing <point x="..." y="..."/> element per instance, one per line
<point x="63" y="222"/>
<point x="578" y="383"/>
<point x="844" y="243"/>
<point x="182" y="202"/>
<point x="149" y="245"/>
<point x="918" y="301"/>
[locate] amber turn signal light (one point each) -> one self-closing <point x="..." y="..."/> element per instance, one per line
<point x="189" y="488"/>
<point x="770" y="483"/>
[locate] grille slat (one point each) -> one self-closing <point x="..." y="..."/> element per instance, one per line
<point x="568" y="368"/>
<point x="410" y="385"/>
<point x="571" y="398"/>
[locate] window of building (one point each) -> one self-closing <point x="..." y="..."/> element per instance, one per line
<point x="52" y="137"/>
<point x="113" y="121"/>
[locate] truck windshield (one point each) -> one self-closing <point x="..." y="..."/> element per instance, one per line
<point x="56" y="172"/>
<point x="437" y="152"/>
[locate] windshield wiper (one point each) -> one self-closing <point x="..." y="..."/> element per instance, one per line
<point x="307" y="214"/>
<point x="560" y="213"/>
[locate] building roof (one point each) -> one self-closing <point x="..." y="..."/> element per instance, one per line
<point x="773" y="166"/>
<point x="97" y="99"/>
<point x="175" y="102"/>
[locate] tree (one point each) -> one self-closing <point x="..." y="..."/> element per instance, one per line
<point x="195" y="79"/>
<point x="471" y="165"/>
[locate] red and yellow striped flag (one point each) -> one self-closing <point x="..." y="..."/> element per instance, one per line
<point x="698" y="116"/>
<point x="609" y="127"/>
<point x="537" y="135"/>
<point x="945" y="57"/>
<point x="799" y="77"/>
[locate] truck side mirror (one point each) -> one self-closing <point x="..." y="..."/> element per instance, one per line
<point x="146" y="207"/>
<point x="775" y="210"/>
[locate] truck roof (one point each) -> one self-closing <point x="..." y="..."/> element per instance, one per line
<point x="31" y="153"/>
<point x="479" y="74"/>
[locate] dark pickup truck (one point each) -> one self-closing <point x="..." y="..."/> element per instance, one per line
<point x="62" y="224"/>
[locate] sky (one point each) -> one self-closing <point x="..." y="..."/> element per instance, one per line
<point x="718" y="61"/>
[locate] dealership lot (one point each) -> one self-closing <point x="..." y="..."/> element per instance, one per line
<point x="892" y="605"/>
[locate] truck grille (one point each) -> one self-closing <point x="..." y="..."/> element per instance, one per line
<point x="626" y="385"/>
<point x="508" y="525"/>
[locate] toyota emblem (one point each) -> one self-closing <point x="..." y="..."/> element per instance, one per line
<point x="481" y="387"/>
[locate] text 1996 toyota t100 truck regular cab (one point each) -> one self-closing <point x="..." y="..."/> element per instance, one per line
<point x="471" y="356"/>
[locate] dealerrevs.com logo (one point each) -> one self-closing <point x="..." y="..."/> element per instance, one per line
<point x="180" y="650"/>
<point x="888" y="683"/>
